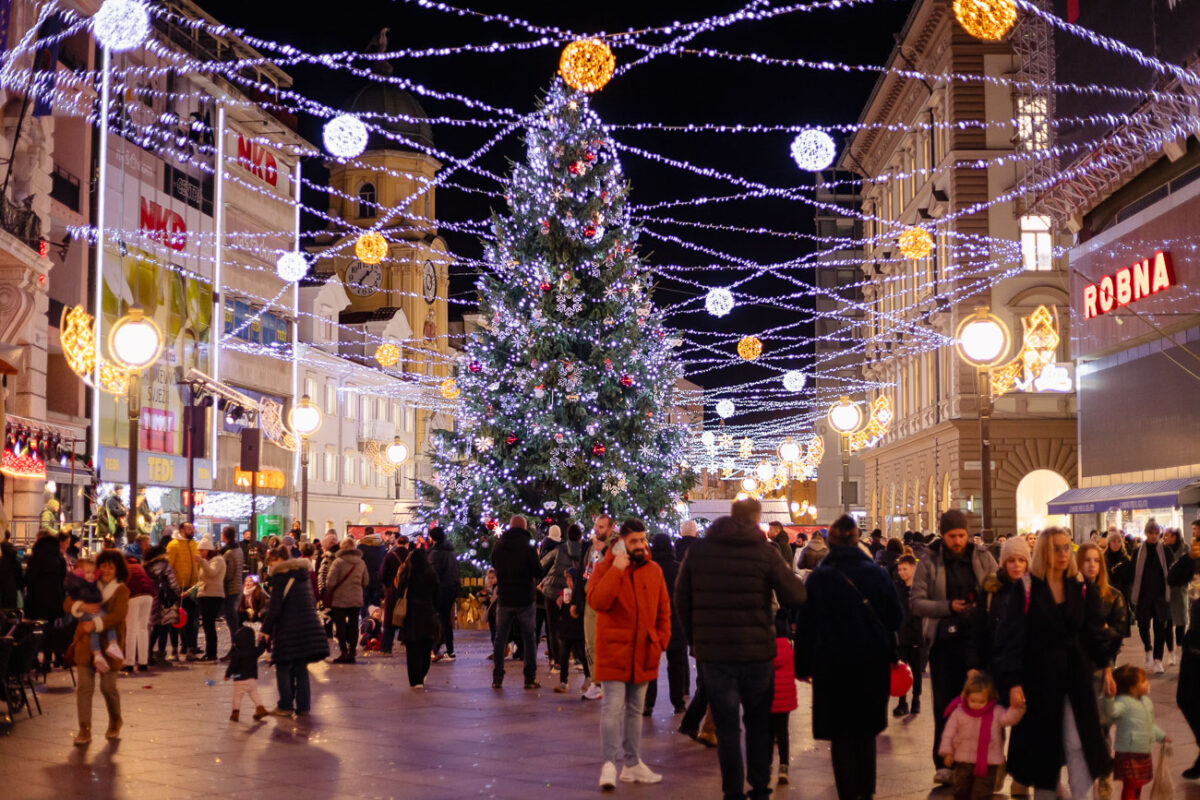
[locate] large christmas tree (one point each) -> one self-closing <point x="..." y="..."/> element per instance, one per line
<point x="566" y="394"/>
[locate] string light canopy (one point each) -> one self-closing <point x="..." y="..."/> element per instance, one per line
<point x="989" y="20"/>
<point x="371" y="247"/>
<point x="121" y="25"/>
<point x="587" y="65"/>
<point x="794" y="380"/>
<point x="916" y="243"/>
<point x="387" y="355"/>
<point x="291" y="267"/>
<point x="345" y="136"/>
<point x="813" y="150"/>
<point x="749" y="348"/>
<point x="718" y="302"/>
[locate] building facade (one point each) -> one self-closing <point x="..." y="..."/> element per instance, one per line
<point x="936" y="154"/>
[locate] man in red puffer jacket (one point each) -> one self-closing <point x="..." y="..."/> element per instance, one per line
<point x="137" y="622"/>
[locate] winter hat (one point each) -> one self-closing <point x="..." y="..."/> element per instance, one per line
<point x="371" y="610"/>
<point x="438" y="534"/>
<point x="952" y="520"/>
<point x="1015" y="546"/>
<point x="329" y="541"/>
<point x="688" y="528"/>
<point x="554" y="534"/>
<point x="289" y="541"/>
<point x="348" y="544"/>
<point x="206" y="543"/>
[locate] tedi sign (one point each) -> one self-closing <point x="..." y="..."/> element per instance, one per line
<point x="257" y="160"/>
<point x="1142" y="279"/>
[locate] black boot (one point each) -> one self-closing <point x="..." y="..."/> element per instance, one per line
<point x="901" y="709"/>
<point x="916" y="705"/>
<point x="1193" y="772"/>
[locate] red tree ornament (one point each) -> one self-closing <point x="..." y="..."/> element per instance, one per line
<point x="598" y="449"/>
<point x="511" y="439"/>
<point x="626" y="381"/>
<point x="474" y="366"/>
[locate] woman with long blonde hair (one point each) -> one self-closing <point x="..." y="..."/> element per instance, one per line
<point x="1048" y="647"/>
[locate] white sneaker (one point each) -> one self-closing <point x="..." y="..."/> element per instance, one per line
<point x="608" y="776"/>
<point x="114" y="650"/>
<point x="1170" y="658"/>
<point x="1158" y="667"/>
<point x="1149" y="661"/>
<point x="594" y="692"/>
<point x="640" y="774"/>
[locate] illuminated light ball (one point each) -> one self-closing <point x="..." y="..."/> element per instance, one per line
<point x="387" y="355"/>
<point x="765" y="472"/>
<point x="121" y="25"/>
<point x="450" y="389"/>
<point x="708" y="438"/>
<point x="749" y="484"/>
<point x="718" y="302"/>
<point x="989" y="20"/>
<point x="345" y="136"/>
<point x="587" y="64"/>
<point x="916" y="243"/>
<point x="291" y="267"/>
<point x="749" y="348"/>
<point x="371" y="247"/>
<point x="474" y="366"/>
<point x="813" y="150"/>
<point x="794" y="380"/>
<point x="725" y="409"/>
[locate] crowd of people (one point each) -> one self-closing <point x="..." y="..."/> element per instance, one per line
<point x="1021" y="636"/>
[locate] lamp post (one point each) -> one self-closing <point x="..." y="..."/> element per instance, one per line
<point x="396" y="454"/>
<point x="135" y="343"/>
<point x="846" y="417"/>
<point x="305" y="420"/>
<point x="982" y="340"/>
<point x="790" y="454"/>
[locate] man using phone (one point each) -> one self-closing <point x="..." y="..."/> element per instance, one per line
<point x="943" y="593"/>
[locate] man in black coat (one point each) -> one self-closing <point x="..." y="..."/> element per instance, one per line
<point x="724" y="598"/>
<point x="10" y="573"/>
<point x="518" y="571"/>
<point x="847" y="646"/>
<point x="678" y="675"/>
<point x="371" y="548"/>
<point x="392" y="563"/>
<point x="445" y="566"/>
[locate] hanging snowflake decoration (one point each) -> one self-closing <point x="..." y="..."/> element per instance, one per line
<point x="484" y="443"/>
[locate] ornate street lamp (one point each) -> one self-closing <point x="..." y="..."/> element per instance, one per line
<point x="982" y="340"/>
<point x="846" y="417"/>
<point x="396" y="454"/>
<point x="135" y="342"/>
<point x="305" y="420"/>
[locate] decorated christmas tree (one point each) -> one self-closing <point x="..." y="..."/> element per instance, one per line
<point x="565" y="396"/>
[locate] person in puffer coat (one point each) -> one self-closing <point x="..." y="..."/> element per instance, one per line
<point x="347" y="579"/>
<point x="294" y="630"/>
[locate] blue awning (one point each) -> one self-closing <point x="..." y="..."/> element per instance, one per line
<point x="1098" y="499"/>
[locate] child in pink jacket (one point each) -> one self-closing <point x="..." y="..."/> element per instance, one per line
<point x="973" y="740"/>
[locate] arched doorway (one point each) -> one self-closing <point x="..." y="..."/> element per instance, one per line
<point x="1034" y="492"/>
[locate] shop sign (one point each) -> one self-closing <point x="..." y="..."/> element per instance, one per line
<point x="163" y="225"/>
<point x="154" y="469"/>
<point x="1143" y="279"/>
<point x="267" y="479"/>
<point x="257" y="160"/>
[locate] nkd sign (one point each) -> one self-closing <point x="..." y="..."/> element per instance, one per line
<point x="257" y="160"/>
<point x="1142" y="279"/>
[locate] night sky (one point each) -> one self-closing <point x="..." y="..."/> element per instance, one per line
<point x="671" y="89"/>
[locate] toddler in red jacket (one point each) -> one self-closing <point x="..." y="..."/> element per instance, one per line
<point x="784" y="702"/>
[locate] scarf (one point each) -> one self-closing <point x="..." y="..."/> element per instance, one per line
<point x="984" y="715"/>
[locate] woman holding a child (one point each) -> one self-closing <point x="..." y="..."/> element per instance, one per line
<point x="106" y="615"/>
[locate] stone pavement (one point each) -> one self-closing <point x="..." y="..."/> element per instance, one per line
<point x="370" y="736"/>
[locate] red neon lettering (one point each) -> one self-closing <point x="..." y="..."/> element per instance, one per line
<point x="1141" y="279"/>
<point x="1089" y="301"/>
<point x="257" y="160"/>
<point x="1124" y="291"/>
<point x="1106" y="294"/>
<point x="163" y="225"/>
<point x="1164" y="273"/>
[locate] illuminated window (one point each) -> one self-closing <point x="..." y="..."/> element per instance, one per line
<point x="351" y="405"/>
<point x="366" y="201"/>
<point x="348" y="466"/>
<point x="1032" y="131"/>
<point x="330" y="466"/>
<point x="1037" y="252"/>
<point x="331" y="399"/>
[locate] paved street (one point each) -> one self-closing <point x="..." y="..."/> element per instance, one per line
<point x="371" y="737"/>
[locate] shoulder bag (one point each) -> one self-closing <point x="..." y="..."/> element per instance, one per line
<point x="327" y="595"/>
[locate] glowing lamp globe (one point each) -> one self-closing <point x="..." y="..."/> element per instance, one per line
<point x="789" y="451"/>
<point x="764" y="471"/>
<point x="371" y="247"/>
<point x="845" y="416"/>
<point x="718" y="302"/>
<point x="813" y="150"/>
<point x="794" y="380"/>
<point x="121" y="25"/>
<point x="749" y="348"/>
<point x="725" y="409"/>
<point x="135" y="341"/>
<point x="708" y="438"/>
<point x="587" y="64"/>
<point x="749" y="484"/>
<point x="449" y="389"/>
<point x="345" y="136"/>
<point x="982" y="339"/>
<point x="291" y="267"/>
<point x="305" y="417"/>
<point x="916" y="243"/>
<point x="396" y="452"/>
<point x="989" y="20"/>
<point x="387" y="355"/>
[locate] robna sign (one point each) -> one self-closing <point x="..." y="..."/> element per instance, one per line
<point x="1147" y="277"/>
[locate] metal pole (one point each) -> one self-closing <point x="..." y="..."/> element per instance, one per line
<point x="218" y="324"/>
<point x="254" y="504"/>
<point x="72" y="495"/>
<point x="98" y="288"/>
<point x="845" y="448"/>
<point x="193" y="409"/>
<point x="303" y="483"/>
<point x="985" y="446"/>
<point x="135" y="411"/>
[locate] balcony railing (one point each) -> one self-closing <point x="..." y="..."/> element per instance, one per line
<point x="22" y="222"/>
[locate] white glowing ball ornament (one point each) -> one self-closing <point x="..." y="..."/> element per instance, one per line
<point x="794" y="380"/>
<point x="813" y="150"/>
<point x="345" y="136"/>
<point x="725" y="409"/>
<point x="121" y="25"/>
<point x="718" y="302"/>
<point x="291" y="267"/>
<point x="708" y="438"/>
